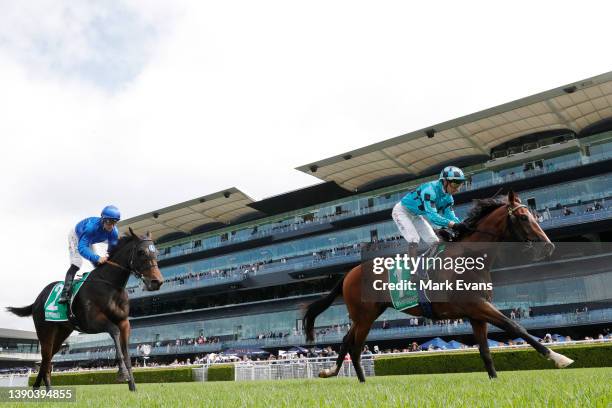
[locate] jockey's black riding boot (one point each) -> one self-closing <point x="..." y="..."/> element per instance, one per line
<point x="65" y="298"/>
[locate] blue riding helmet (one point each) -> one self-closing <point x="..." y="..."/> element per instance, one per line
<point x="110" y="212"/>
<point x="452" y="173"/>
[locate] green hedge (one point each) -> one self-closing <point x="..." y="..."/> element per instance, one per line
<point x="146" y="375"/>
<point x="221" y="372"/>
<point x="599" y="355"/>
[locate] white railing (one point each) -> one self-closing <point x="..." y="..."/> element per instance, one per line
<point x="14" y="380"/>
<point x="297" y="368"/>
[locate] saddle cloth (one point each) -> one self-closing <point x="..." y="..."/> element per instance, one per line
<point x="406" y="298"/>
<point x="403" y="298"/>
<point x="56" y="312"/>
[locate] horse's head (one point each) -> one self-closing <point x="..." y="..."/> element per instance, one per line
<point x="143" y="262"/>
<point x="522" y="226"/>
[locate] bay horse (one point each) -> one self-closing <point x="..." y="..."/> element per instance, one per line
<point x="101" y="305"/>
<point x="490" y="221"/>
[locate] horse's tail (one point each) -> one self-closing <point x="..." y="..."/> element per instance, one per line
<point x="21" y="311"/>
<point x="319" y="306"/>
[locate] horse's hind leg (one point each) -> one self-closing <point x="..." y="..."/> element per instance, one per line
<point x="344" y="348"/>
<point x="362" y="328"/>
<point x="46" y="351"/>
<point x="50" y="344"/>
<point x="42" y="370"/>
<point x="479" y="328"/>
<point x="355" y="349"/>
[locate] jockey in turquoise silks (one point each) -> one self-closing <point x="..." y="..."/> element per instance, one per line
<point x="430" y="203"/>
<point x="87" y="232"/>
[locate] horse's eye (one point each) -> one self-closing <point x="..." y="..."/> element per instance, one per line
<point x="524" y="217"/>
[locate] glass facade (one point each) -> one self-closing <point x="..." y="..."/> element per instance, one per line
<point x="18" y="346"/>
<point x="386" y="198"/>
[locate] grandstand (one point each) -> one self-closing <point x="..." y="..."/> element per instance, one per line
<point x="237" y="271"/>
<point x="19" y="350"/>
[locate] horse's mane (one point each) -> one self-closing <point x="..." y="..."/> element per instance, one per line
<point x="483" y="207"/>
<point x="124" y="240"/>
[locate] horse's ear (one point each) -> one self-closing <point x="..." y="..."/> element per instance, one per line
<point x="512" y="197"/>
<point x="132" y="233"/>
<point x="149" y="236"/>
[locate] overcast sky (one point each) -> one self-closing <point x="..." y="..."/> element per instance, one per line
<point x="145" y="104"/>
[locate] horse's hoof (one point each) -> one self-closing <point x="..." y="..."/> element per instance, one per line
<point x="559" y="359"/>
<point x="325" y="373"/>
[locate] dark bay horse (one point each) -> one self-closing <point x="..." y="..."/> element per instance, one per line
<point x="491" y="221"/>
<point x="101" y="305"/>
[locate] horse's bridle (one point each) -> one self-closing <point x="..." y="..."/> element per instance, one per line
<point x="150" y="263"/>
<point x="512" y="223"/>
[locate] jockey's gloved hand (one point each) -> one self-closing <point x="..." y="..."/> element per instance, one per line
<point x="461" y="228"/>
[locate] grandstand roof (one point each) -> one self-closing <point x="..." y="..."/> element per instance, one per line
<point x="17" y="334"/>
<point x="224" y="206"/>
<point x="301" y="198"/>
<point x="425" y="151"/>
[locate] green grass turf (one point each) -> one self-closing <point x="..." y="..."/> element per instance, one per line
<point x="585" y="387"/>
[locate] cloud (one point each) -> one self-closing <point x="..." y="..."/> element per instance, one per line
<point x="105" y="43"/>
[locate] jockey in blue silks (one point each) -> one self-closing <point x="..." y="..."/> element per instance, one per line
<point x="87" y="232"/>
<point x="430" y="203"/>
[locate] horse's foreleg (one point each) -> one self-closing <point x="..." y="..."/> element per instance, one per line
<point x="124" y="328"/>
<point x="115" y="333"/>
<point x="497" y="318"/>
<point x="479" y="328"/>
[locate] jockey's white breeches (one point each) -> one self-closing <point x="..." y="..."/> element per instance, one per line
<point x="413" y="227"/>
<point x="73" y="248"/>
